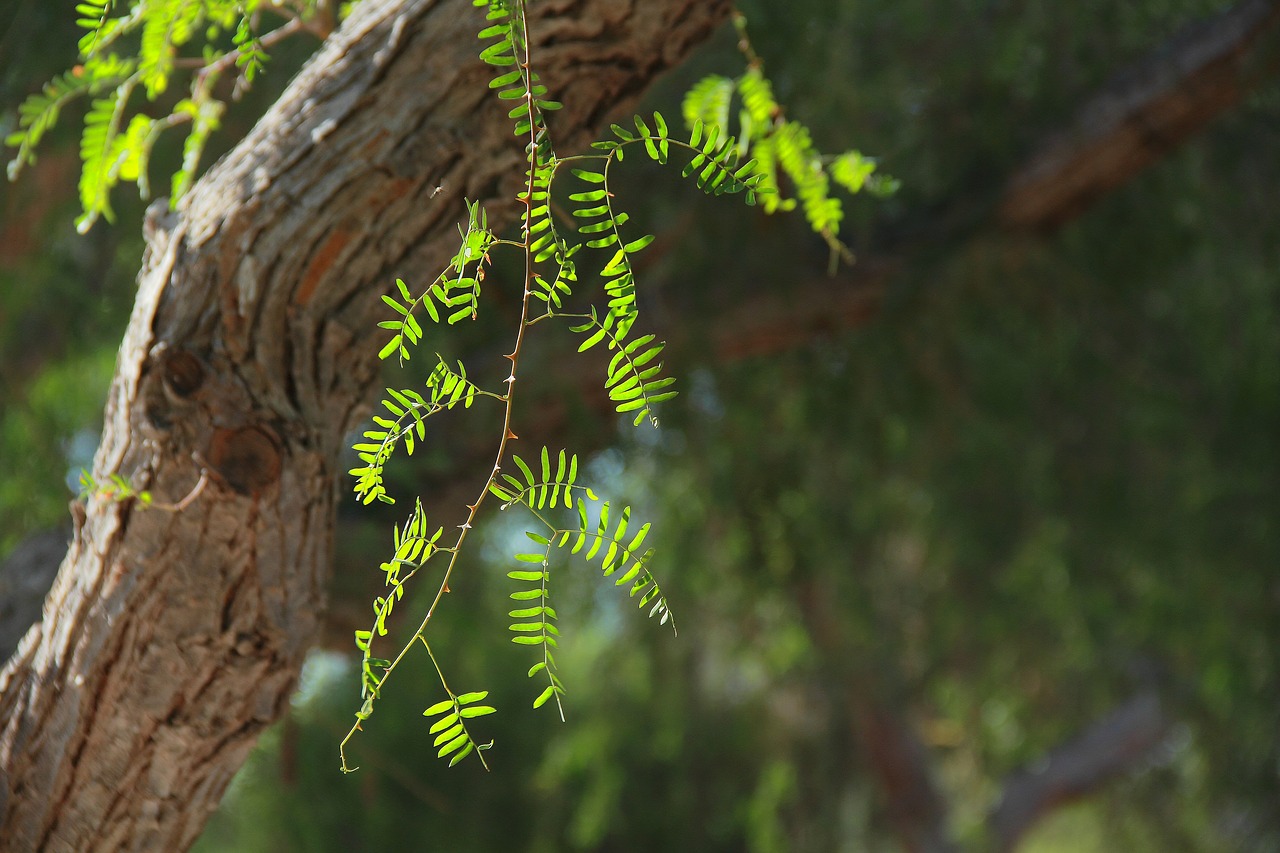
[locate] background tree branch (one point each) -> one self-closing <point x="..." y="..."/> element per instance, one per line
<point x="1147" y="110"/>
<point x="1106" y="750"/>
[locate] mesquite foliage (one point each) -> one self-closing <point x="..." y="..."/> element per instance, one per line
<point x="572" y="229"/>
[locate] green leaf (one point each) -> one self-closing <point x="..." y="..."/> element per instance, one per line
<point x="447" y="721"/>
<point x="603" y="242"/>
<point x="661" y="123"/>
<point x="636" y="245"/>
<point x="593" y="340"/>
<point x="504" y="79"/>
<point x="466" y="750"/>
<point x="528" y="475"/>
<point x="438" y="708"/>
<point x="452" y="745"/>
<point x="544" y="696"/>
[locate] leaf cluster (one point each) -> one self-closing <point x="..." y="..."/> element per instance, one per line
<point x="139" y="46"/>
<point x="413" y="547"/>
<point x="409" y="410"/>
<point x="516" y="82"/>
<point x="634" y="380"/>
<point x="619" y="554"/>
<point x="455" y="293"/>
<point x="634" y="383"/>
<point x="114" y="488"/>
<point x="572" y="517"/>
<point x="544" y="491"/>
<point x="450" y="727"/>
<point x="781" y="147"/>
<point x="535" y="622"/>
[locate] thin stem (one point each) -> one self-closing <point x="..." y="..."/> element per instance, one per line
<point x="291" y="27"/>
<point x="508" y="398"/>
<point x="744" y="42"/>
<point x="190" y="497"/>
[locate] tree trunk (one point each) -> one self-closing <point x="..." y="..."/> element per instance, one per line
<point x="172" y="638"/>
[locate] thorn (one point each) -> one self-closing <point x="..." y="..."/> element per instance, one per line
<point x="446" y="588"/>
<point x="510" y="379"/>
<point x="510" y="357"/>
<point x="471" y="507"/>
<point x="511" y="434"/>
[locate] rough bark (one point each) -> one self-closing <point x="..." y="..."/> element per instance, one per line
<point x="1143" y="114"/>
<point x="170" y="639"/>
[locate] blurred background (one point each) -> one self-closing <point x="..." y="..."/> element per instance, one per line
<point x="974" y="545"/>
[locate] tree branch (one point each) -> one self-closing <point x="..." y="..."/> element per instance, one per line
<point x="1143" y="114"/>
<point x="1106" y="750"/>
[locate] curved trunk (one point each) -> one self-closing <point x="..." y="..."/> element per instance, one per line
<point x="172" y="637"/>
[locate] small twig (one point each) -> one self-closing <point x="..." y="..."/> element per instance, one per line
<point x="744" y="41"/>
<point x="190" y="497"/>
<point x="204" y="70"/>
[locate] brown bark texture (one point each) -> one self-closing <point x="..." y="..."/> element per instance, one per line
<point x="170" y="638"/>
